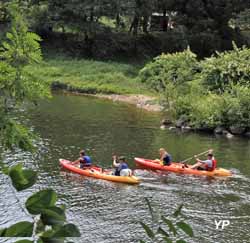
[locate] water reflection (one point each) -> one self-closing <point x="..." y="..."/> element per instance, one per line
<point x="108" y="212"/>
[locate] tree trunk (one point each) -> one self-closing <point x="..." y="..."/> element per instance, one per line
<point x="145" y="24"/>
<point x="134" y="26"/>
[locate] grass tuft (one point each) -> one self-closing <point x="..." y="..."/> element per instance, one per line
<point x="90" y="76"/>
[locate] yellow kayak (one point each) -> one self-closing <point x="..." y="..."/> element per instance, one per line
<point x="98" y="173"/>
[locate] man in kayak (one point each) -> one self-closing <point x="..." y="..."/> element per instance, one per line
<point x="121" y="166"/>
<point x="209" y="164"/>
<point x="84" y="160"/>
<point x="165" y="157"/>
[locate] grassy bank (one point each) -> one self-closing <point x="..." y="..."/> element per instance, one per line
<point x="90" y="76"/>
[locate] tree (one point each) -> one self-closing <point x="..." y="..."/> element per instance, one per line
<point x="242" y="20"/>
<point x="20" y="49"/>
<point x="207" y="22"/>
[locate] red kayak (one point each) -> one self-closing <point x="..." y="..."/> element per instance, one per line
<point x="179" y="168"/>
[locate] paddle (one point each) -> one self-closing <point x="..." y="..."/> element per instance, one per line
<point x="184" y="161"/>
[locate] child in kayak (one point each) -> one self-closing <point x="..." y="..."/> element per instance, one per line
<point x="121" y="166"/>
<point x="84" y="160"/>
<point x="165" y="157"/>
<point x="209" y="164"/>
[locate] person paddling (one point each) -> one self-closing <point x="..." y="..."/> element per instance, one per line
<point x="165" y="157"/>
<point x="121" y="166"/>
<point x="84" y="160"/>
<point x="209" y="164"/>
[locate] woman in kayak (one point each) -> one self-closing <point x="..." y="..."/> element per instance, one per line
<point x="121" y="166"/>
<point x="209" y="164"/>
<point x="84" y="160"/>
<point x="165" y="157"/>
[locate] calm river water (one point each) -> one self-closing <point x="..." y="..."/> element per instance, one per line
<point x="107" y="212"/>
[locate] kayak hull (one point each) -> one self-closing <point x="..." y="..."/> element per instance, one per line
<point x="98" y="173"/>
<point x="179" y="168"/>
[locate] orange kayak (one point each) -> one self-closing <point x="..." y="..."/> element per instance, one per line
<point x="179" y="168"/>
<point x="98" y="173"/>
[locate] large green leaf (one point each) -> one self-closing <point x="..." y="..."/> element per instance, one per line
<point x="20" y="229"/>
<point x="40" y="201"/>
<point x="186" y="228"/>
<point x="53" y="216"/>
<point x="170" y="225"/>
<point x="149" y="232"/>
<point x="181" y="241"/>
<point x="22" y="179"/>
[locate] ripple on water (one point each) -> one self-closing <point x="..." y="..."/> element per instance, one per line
<point x="107" y="212"/>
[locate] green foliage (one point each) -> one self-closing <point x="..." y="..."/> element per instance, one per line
<point x="20" y="49"/>
<point x="197" y="112"/>
<point x="235" y="106"/>
<point x="186" y="228"/>
<point x="214" y="94"/>
<point x="224" y="69"/>
<point x="17" y="85"/>
<point x="89" y="76"/>
<point x="20" y="229"/>
<point x="242" y="20"/>
<point x="170" y="225"/>
<point x="158" y="232"/>
<point x="147" y="229"/>
<point x="22" y="178"/>
<point x="178" y="69"/>
<point x="42" y="204"/>
<point x="53" y="216"/>
<point x="14" y="134"/>
<point x="41" y="200"/>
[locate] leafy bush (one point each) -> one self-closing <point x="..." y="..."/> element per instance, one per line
<point x="204" y="111"/>
<point x="206" y="94"/>
<point x="230" y="67"/>
<point x="177" y="68"/>
<point x="242" y="20"/>
<point x="235" y="108"/>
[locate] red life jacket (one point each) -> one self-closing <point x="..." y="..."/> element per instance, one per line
<point x="213" y="166"/>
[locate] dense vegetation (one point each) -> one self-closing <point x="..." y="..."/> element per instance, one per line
<point x="89" y="76"/>
<point x="47" y="220"/>
<point x="204" y="94"/>
<point x="137" y="28"/>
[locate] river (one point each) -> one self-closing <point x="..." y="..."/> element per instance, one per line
<point x="109" y="212"/>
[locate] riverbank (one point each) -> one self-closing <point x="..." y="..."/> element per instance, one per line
<point x="91" y="76"/>
<point x="108" y="80"/>
<point x="117" y="82"/>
